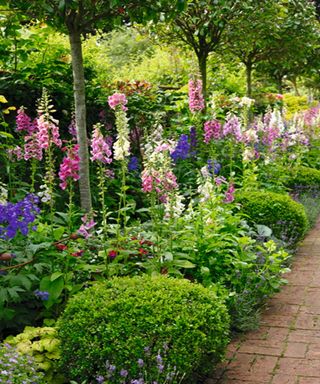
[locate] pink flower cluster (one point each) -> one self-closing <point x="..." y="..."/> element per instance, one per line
<point x="69" y="168"/>
<point x="118" y="99"/>
<point x="229" y="195"/>
<point x="88" y="224"/>
<point x="47" y="132"/>
<point x="153" y="180"/>
<point x="100" y="149"/>
<point x="32" y="149"/>
<point x="196" y="101"/>
<point x="212" y="131"/>
<point x="311" y="115"/>
<point x="24" y="122"/>
<point x="15" y="152"/>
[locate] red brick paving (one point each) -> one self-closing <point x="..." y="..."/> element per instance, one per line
<point x="286" y="347"/>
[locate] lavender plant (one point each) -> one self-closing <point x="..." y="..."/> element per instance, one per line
<point x="16" y="368"/>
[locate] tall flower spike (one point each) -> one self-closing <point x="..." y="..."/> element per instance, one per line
<point x="196" y="101"/>
<point x="47" y="132"/>
<point x="232" y="127"/>
<point x="24" y="122"/>
<point x="69" y="168"/>
<point x="122" y="145"/>
<point x="182" y="149"/>
<point x="212" y="131"/>
<point x="32" y="148"/>
<point x="100" y="150"/>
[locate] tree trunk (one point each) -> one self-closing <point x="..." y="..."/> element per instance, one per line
<point x="279" y="83"/>
<point x="295" y="87"/>
<point x="202" y="60"/>
<point x="249" y="78"/>
<point x="80" y="116"/>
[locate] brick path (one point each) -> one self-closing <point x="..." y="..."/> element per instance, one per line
<point x="286" y="348"/>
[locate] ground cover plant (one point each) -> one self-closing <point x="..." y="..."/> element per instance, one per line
<point x="180" y="207"/>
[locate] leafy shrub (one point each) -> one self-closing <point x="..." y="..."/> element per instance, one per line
<point x="40" y="343"/>
<point x="305" y="177"/>
<point x="17" y="368"/>
<point x="294" y="104"/>
<point x="116" y="321"/>
<point x="284" y="216"/>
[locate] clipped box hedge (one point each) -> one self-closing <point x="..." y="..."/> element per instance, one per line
<point x="305" y="178"/>
<point x="117" y="320"/>
<point x="286" y="217"/>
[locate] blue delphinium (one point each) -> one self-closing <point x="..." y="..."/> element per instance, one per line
<point x="18" y="216"/>
<point x="213" y="167"/>
<point x="43" y="295"/>
<point x="133" y="164"/>
<point x="182" y="150"/>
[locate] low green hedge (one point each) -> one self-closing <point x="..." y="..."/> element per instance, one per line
<point x="119" y="320"/>
<point x="305" y="178"/>
<point x="286" y="217"/>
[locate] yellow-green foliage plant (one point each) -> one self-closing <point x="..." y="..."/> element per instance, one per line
<point x="294" y="104"/>
<point x="42" y="344"/>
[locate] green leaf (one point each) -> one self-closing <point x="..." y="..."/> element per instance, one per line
<point x="58" y="232"/>
<point x="263" y="230"/>
<point x="34" y="248"/>
<point x="21" y="280"/>
<point x="54" y="288"/>
<point x="184" y="264"/>
<point x="6" y="135"/>
<point x="55" y="276"/>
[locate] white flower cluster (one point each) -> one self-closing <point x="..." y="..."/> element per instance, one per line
<point x="44" y="194"/>
<point x="3" y="193"/>
<point x="174" y="206"/>
<point x="122" y="145"/>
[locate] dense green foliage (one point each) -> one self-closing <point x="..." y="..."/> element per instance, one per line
<point x="116" y="320"/>
<point x="284" y="216"/>
<point x="305" y="178"/>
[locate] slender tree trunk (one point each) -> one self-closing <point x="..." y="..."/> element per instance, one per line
<point x="202" y="60"/>
<point x="295" y="87"/>
<point x="249" y="78"/>
<point x="279" y="83"/>
<point x="80" y="116"/>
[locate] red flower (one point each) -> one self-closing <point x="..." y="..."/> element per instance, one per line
<point x="142" y="251"/>
<point x="112" y="254"/>
<point x="78" y="253"/>
<point x="61" y="247"/>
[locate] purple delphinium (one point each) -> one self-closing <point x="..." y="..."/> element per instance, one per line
<point x="133" y="164"/>
<point x="182" y="149"/>
<point x="43" y="295"/>
<point x="193" y="141"/>
<point x="18" y="216"/>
